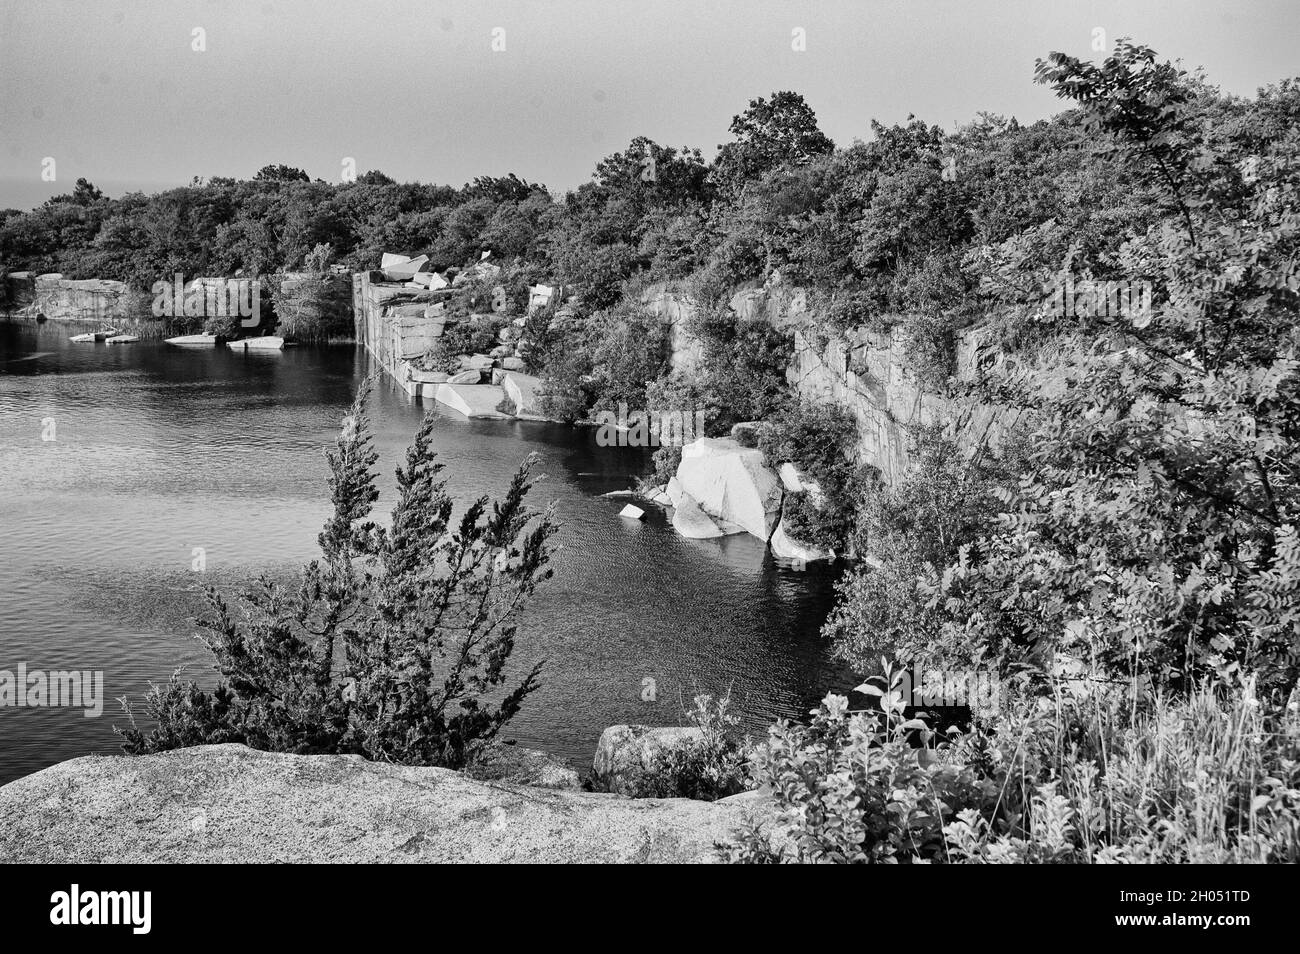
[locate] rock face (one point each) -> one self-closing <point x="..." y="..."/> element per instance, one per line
<point x="65" y="299"/>
<point x="676" y="310"/>
<point x="731" y="484"/>
<point x="520" y="766"/>
<point x="866" y="373"/>
<point x="228" y="803"/>
<point x="625" y="755"/>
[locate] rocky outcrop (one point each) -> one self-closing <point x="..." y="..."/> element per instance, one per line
<point x="786" y="547"/>
<point x="676" y="310"/>
<point x="864" y="372"/>
<point x="228" y="803"/>
<point x="65" y="299"/>
<point x="626" y="756"/>
<point x="524" y="392"/>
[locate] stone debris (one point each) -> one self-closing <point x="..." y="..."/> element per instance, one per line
<point x="539" y="296"/>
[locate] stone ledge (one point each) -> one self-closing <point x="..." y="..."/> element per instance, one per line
<point x="229" y="803"/>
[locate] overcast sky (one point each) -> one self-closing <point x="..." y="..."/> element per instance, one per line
<point x="114" y="90"/>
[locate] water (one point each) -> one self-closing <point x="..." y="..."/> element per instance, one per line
<point x="162" y="450"/>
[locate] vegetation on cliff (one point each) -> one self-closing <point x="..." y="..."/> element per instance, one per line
<point x="1127" y="571"/>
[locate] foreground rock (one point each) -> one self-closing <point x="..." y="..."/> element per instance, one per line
<point x="228" y="803"/>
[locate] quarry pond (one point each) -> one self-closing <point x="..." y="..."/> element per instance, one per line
<point x="172" y="469"/>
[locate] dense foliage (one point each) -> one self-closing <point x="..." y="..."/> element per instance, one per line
<point x="1212" y="778"/>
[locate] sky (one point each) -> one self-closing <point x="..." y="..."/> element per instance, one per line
<point x="119" y="92"/>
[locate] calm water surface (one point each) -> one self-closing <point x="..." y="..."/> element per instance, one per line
<point x="161" y="450"/>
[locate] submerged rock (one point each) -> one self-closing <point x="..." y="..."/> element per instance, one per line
<point x="229" y="803"/>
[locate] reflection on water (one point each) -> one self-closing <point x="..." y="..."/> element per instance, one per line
<point x="162" y="450"/>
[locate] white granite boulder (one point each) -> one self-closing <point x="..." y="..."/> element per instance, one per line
<point x="731" y="484"/>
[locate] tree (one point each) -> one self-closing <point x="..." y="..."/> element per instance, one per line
<point x="280" y="173"/>
<point x="83" y="193"/>
<point x="375" y="178"/>
<point x="1153" y="532"/>
<point x="769" y="133"/>
<point x="391" y="642"/>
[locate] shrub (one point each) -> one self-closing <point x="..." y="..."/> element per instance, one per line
<point x="821" y="440"/>
<point x="911" y="531"/>
<point x="742" y="375"/>
<point x="707" y="768"/>
<point x="604" y="360"/>
<point x="1081" y="778"/>
<point x="392" y="642"/>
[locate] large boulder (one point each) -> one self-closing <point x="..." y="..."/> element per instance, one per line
<point x="626" y="755"/>
<point x="229" y="803"/>
<point x="405" y="271"/>
<point x="523" y="391"/>
<point x="731" y="484"/>
<point x="692" y="522"/>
